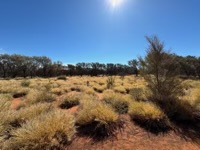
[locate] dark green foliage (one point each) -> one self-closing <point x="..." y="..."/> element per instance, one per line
<point x="160" y="70"/>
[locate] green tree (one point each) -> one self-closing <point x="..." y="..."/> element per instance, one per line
<point x="160" y="70"/>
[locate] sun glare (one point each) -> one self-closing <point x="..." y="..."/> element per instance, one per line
<point x="115" y="3"/>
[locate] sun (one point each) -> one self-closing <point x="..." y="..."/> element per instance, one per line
<point x="115" y="3"/>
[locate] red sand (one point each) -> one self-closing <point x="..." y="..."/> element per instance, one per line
<point x="15" y="103"/>
<point x="135" y="138"/>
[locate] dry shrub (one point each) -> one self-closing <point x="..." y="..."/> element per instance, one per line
<point x="32" y="111"/>
<point x="88" y="90"/>
<point x="137" y="93"/>
<point x="36" y="96"/>
<point x="25" y="83"/>
<point x="62" y="78"/>
<point x="98" y="88"/>
<point x="6" y="118"/>
<point x="149" y="116"/>
<point x="53" y="130"/>
<point x="76" y="88"/>
<point x="14" y="119"/>
<point x="110" y="82"/>
<point x="181" y="111"/>
<point x="119" y="102"/>
<point x="97" y="119"/>
<point x="120" y="89"/>
<point x="56" y="91"/>
<point x="69" y="101"/>
<point x="6" y="97"/>
<point x="4" y="104"/>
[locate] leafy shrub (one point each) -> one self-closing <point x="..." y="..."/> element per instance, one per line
<point x="97" y="119"/>
<point x="61" y="78"/>
<point x="160" y="70"/>
<point x="110" y="82"/>
<point x="25" y="83"/>
<point x="36" y="96"/>
<point x="149" y="116"/>
<point x="69" y="101"/>
<point x="53" y="130"/>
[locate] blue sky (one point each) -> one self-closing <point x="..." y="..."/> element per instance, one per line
<point x="93" y="31"/>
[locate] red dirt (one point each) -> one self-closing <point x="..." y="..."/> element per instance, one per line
<point x="133" y="137"/>
<point x="73" y="109"/>
<point x="15" y="103"/>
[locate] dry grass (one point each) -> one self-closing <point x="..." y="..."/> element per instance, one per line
<point x="119" y="102"/>
<point x="36" y="96"/>
<point x="52" y="130"/>
<point x="95" y="111"/>
<point x="69" y="101"/>
<point x="149" y="116"/>
<point x="98" y="112"/>
<point x="97" y="119"/>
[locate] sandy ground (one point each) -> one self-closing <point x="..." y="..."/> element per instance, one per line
<point x="132" y="137"/>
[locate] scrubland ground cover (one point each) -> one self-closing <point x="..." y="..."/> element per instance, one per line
<point x="42" y="121"/>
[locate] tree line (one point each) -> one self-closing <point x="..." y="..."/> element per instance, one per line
<point x="23" y="66"/>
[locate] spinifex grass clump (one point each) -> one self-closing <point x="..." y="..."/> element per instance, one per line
<point x="137" y="93"/>
<point x="181" y="111"/>
<point x="119" y="102"/>
<point x="11" y="119"/>
<point x="36" y="96"/>
<point x="56" y="91"/>
<point x="6" y="115"/>
<point x="25" y="83"/>
<point x="53" y="130"/>
<point x="61" y="78"/>
<point x="97" y="119"/>
<point x="149" y="116"/>
<point x="69" y="101"/>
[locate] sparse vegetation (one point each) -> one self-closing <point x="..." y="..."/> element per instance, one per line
<point x="137" y="93"/>
<point x="69" y="101"/>
<point x="99" y="111"/>
<point x="110" y="82"/>
<point x="36" y="96"/>
<point x="25" y="83"/>
<point x="119" y="102"/>
<point x="52" y="130"/>
<point x="62" y="78"/>
<point x="98" y="117"/>
<point x="149" y="116"/>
